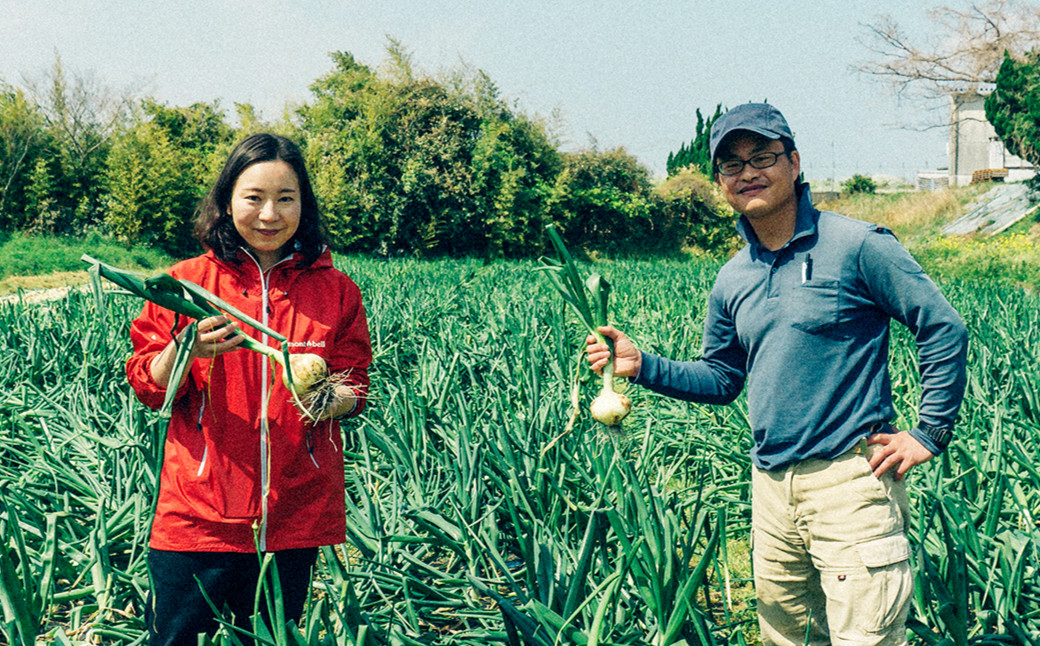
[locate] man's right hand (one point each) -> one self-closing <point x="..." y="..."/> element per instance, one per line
<point x="627" y="358"/>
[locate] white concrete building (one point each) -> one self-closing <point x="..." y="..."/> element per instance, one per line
<point x="974" y="146"/>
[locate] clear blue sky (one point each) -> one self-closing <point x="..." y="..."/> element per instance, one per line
<point x="623" y="73"/>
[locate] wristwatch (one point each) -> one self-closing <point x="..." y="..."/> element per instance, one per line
<point x="941" y="436"/>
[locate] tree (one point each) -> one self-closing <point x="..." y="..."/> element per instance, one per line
<point x="690" y="211"/>
<point x="390" y="158"/>
<point x="514" y="168"/>
<point x="151" y="190"/>
<point x="158" y="169"/>
<point x="200" y="132"/>
<point x="79" y="117"/>
<point x="404" y="163"/>
<point x="407" y="164"/>
<point x="1014" y="106"/>
<point x="699" y="151"/>
<point x="21" y="143"/>
<point x="603" y="200"/>
<point x="967" y="50"/>
<point x="39" y="197"/>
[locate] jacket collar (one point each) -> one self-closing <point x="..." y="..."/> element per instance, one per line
<point x="289" y="263"/>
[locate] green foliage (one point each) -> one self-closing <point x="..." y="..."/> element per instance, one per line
<point x="471" y="511"/>
<point x="402" y="163"/>
<point x="152" y="190"/>
<point x="690" y="209"/>
<point x="1014" y="106"/>
<point x="698" y="153"/>
<point x="20" y="147"/>
<point x="201" y="134"/>
<point x="1012" y="258"/>
<point x="859" y="184"/>
<point x="77" y="119"/>
<point x="27" y="255"/>
<point x="40" y="194"/>
<point x="158" y="170"/>
<point x="605" y="203"/>
<point x="406" y="164"/>
<point x="512" y="163"/>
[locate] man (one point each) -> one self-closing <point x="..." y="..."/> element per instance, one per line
<point x="802" y="314"/>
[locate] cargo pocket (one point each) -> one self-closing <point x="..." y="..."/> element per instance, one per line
<point x="885" y="599"/>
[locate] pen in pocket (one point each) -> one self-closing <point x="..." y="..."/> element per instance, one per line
<point x="807" y="269"/>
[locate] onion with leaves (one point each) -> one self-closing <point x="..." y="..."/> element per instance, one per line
<point x="610" y="406"/>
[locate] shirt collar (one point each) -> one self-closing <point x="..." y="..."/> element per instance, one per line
<point x="804" y="225"/>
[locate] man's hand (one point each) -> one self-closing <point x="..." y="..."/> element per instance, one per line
<point x="627" y="358"/>
<point x="899" y="450"/>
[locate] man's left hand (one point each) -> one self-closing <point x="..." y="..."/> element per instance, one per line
<point x="898" y="450"/>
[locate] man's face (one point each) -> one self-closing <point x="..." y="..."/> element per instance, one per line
<point x="758" y="192"/>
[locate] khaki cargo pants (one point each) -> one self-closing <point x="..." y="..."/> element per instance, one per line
<point x="829" y="541"/>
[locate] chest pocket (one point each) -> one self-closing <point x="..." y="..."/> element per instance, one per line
<point x="813" y="307"/>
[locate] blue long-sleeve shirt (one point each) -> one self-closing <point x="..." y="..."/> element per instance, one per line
<point x="807" y="327"/>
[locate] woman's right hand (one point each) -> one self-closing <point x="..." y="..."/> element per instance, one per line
<point x="627" y="358"/>
<point x="216" y="335"/>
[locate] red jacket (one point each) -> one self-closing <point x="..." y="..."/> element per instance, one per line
<point x="226" y="471"/>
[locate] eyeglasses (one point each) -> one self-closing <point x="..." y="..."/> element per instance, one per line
<point x="759" y="161"/>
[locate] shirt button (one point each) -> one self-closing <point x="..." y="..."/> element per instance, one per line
<point x="773" y="270"/>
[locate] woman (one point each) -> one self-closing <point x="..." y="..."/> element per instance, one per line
<point x="244" y="472"/>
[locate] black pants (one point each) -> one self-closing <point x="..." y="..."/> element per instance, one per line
<point x="177" y="611"/>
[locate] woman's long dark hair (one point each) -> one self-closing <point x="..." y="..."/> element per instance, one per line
<point x="215" y="228"/>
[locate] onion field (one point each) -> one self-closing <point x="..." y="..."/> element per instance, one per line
<point x="475" y="515"/>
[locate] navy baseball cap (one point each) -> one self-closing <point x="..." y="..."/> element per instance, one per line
<point x="756" y="117"/>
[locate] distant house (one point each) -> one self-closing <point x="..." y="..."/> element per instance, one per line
<point x="974" y="149"/>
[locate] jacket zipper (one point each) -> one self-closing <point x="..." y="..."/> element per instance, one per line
<point x="265" y="443"/>
<point x="198" y="426"/>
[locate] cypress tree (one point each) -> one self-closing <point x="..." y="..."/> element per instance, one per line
<point x="1014" y="106"/>
<point x="698" y="150"/>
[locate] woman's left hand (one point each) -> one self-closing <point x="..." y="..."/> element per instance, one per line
<point x="344" y="402"/>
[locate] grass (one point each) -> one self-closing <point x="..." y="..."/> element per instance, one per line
<point x="1012" y="258"/>
<point x="916" y="217"/>
<point x="911" y="215"/>
<point x="42" y="262"/>
<point x="447" y="482"/>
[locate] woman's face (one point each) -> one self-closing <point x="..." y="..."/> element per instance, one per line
<point x="265" y="207"/>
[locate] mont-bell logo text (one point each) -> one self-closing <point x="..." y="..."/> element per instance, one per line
<point x="306" y="344"/>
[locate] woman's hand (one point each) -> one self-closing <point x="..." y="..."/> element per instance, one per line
<point x="627" y="358"/>
<point x="344" y="403"/>
<point x="215" y="336"/>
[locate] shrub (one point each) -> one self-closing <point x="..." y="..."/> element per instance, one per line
<point x="690" y="205"/>
<point x="859" y="184"/>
